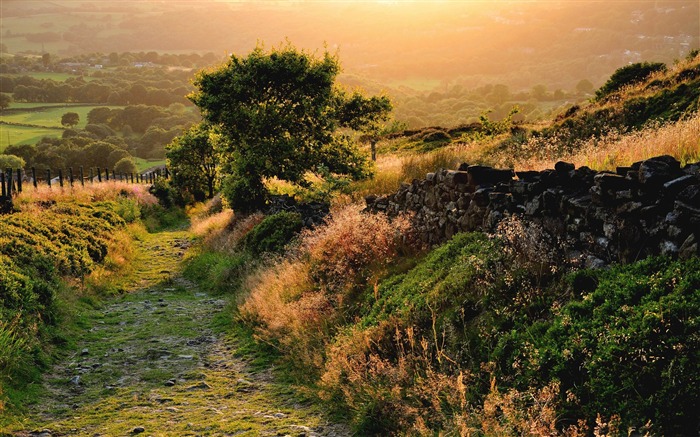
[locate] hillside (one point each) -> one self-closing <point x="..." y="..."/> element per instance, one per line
<point x="522" y="258"/>
<point x="481" y="301"/>
<point x="652" y="116"/>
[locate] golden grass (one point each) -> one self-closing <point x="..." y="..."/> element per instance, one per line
<point x="393" y="170"/>
<point x="295" y="301"/>
<point x="679" y="139"/>
<point x="88" y="193"/>
<point x="203" y="226"/>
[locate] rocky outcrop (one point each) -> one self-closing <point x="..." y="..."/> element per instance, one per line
<point x="651" y="207"/>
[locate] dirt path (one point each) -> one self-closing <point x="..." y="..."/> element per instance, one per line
<point x="154" y="362"/>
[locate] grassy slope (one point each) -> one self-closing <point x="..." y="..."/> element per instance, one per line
<point x="477" y="338"/>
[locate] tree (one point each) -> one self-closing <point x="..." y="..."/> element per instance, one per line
<point x="280" y="113"/>
<point x="194" y="159"/>
<point x="366" y="116"/>
<point x="11" y="161"/>
<point x="126" y="166"/>
<point x="70" y="119"/>
<point x="5" y="100"/>
<point x="25" y="151"/>
<point x="584" y="86"/>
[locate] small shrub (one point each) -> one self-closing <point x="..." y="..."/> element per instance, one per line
<point x="273" y="233"/>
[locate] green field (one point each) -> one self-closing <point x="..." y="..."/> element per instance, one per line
<point x="24" y="135"/>
<point x="145" y="164"/>
<point x="50" y="117"/>
<point x="23" y="105"/>
<point x="58" y="77"/>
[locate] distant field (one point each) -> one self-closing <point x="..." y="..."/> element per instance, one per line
<point x="145" y="164"/>
<point x="58" y="77"/>
<point x="50" y="117"/>
<point x="22" y="105"/>
<point x="24" y="135"/>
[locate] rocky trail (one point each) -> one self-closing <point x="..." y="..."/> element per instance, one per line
<point x="155" y="362"/>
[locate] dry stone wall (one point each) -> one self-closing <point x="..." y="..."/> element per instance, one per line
<point x="651" y="207"/>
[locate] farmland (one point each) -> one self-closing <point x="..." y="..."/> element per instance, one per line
<point x="24" y="135"/>
<point x="27" y="123"/>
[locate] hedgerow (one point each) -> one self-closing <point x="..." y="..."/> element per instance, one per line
<point x="42" y="247"/>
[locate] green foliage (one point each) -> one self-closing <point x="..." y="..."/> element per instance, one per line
<point x="280" y="112"/>
<point x="159" y="217"/>
<point x="274" y="233"/>
<point x="630" y="347"/>
<point x="194" y="159"/>
<point x="70" y="119"/>
<point x="218" y="272"/>
<point x="628" y="75"/>
<point x="498" y="127"/>
<point x="126" y="166"/>
<point x="11" y="161"/>
<point x="5" y="100"/>
<point x="38" y="251"/>
<point x="166" y="194"/>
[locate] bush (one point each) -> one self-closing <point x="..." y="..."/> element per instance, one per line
<point x="628" y="75"/>
<point x="629" y="348"/>
<point x="39" y="249"/>
<point x="274" y="233"/>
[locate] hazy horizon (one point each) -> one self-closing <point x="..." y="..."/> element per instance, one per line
<point x="420" y="44"/>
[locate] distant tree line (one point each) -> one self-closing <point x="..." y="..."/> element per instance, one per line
<point x="111" y="137"/>
<point x="128" y="89"/>
<point x="135" y="83"/>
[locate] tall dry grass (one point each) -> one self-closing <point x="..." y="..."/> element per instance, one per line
<point x="393" y="170"/>
<point x="296" y="303"/>
<point x="680" y="139"/>
<point x="88" y="193"/>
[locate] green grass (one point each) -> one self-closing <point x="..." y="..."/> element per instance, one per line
<point x="24" y="135"/>
<point x="145" y="164"/>
<point x="58" y="77"/>
<point x="23" y="105"/>
<point x="51" y="117"/>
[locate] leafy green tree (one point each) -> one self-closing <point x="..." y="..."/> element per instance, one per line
<point x="100" y="115"/>
<point x="194" y="159"/>
<point x="5" y="100"/>
<point x="25" y="151"/>
<point x="11" y="161"/>
<point x="70" y="119"/>
<point x="281" y="114"/>
<point x="126" y="166"/>
<point x="365" y="115"/>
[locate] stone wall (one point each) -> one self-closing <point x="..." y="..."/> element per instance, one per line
<point x="651" y="207"/>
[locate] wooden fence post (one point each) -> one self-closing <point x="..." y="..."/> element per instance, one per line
<point x="8" y="179"/>
<point x="48" y="176"/>
<point x="60" y="177"/>
<point x="99" y="175"/>
<point x="19" y="180"/>
<point x="70" y="176"/>
<point x="2" y="182"/>
<point x="34" y="177"/>
<point x="8" y="182"/>
<point x="92" y="176"/>
<point x="82" y="176"/>
<point x="106" y="174"/>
